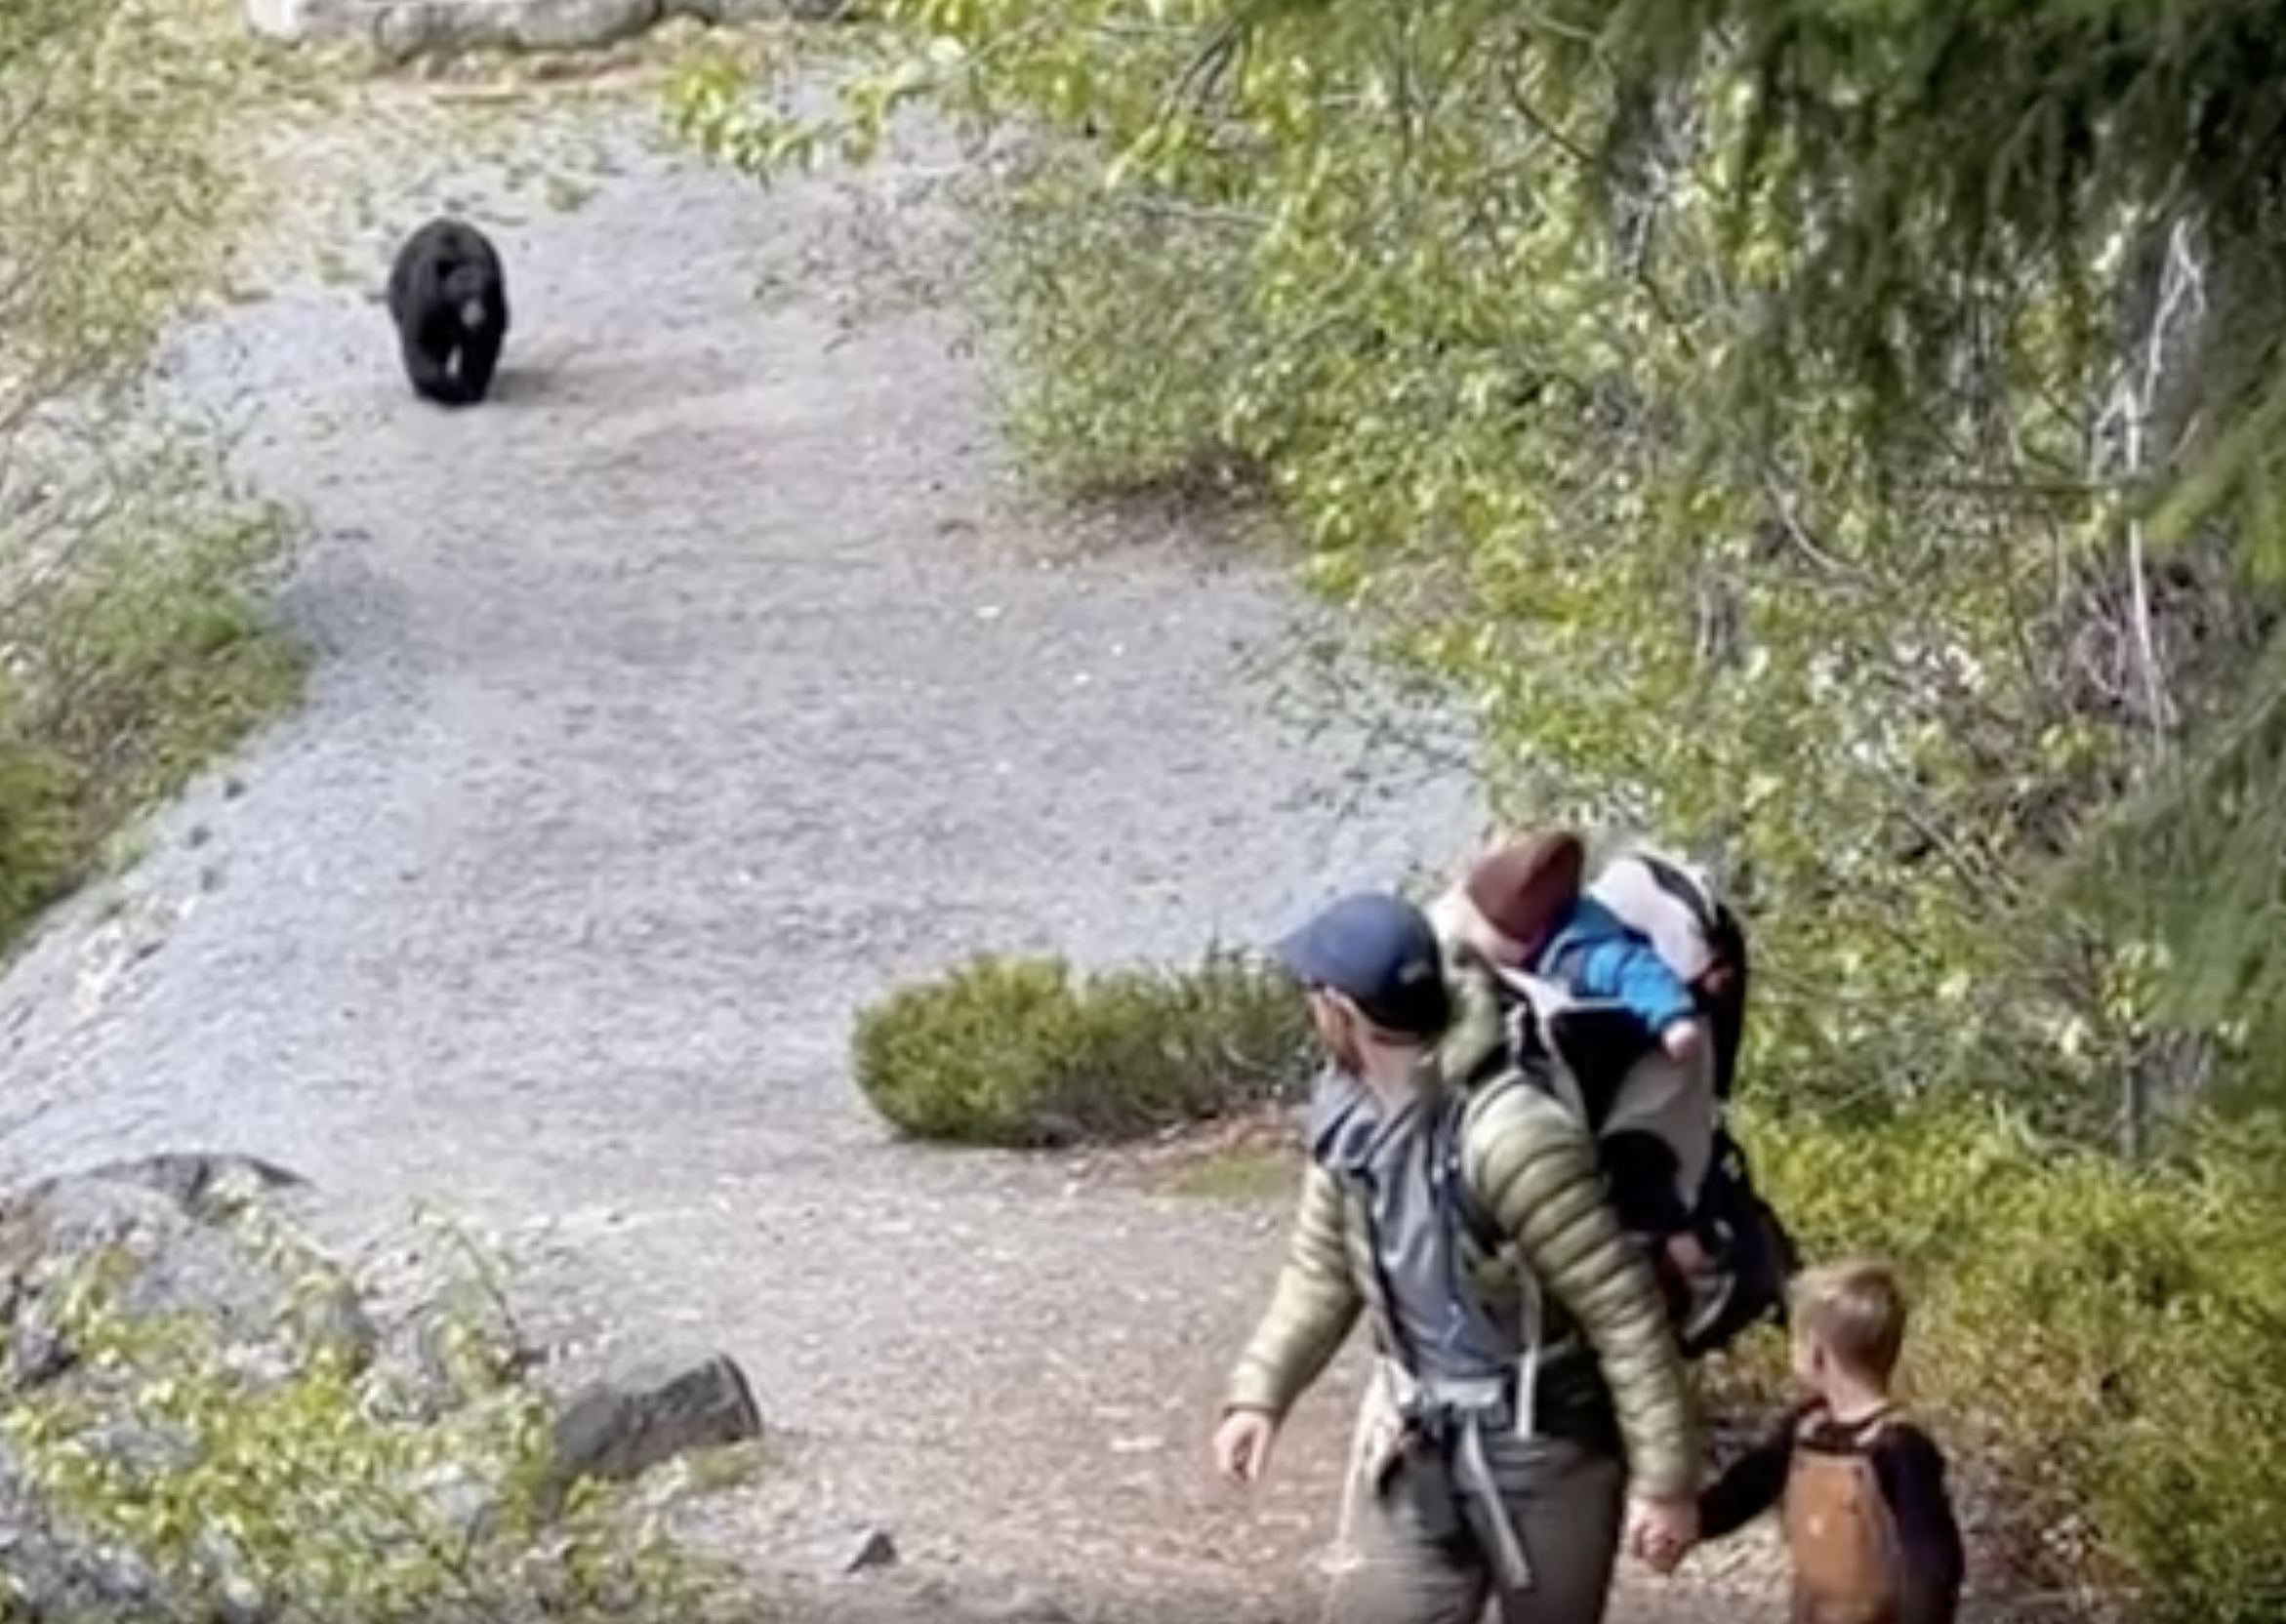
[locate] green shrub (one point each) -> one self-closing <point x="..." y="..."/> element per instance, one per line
<point x="1063" y="276"/>
<point x="37" y="842"/>
<point x="1025" y="1052"/>
<point x="1860" y="671"/>
<point x="150" y="654"/>
<point x="133" y="644"/>
<point x="2108" y="1345"/>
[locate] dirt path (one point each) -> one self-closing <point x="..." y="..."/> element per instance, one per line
<point x="667" y="708"/>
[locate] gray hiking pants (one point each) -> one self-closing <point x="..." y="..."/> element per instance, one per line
<point x="1418" y="1550"/>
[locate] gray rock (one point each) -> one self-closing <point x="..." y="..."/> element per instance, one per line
<point x="203" y="1183"/>
<point x="1013" y="1606"/>
<point x="291" y="19"/>
<point x="188" y="1249"/>
<point x="49" y="1571"/>
<point x="169" y="1228"/>
<point x="242" y="1601"/>
<point x="464" y="1500"/>
<point x="544" y="24"/>
<point x="622" y="1426"/>
<point x="871" y="1548"/>
<point x="53" y="1573"/>
<point x="405" y="28"/>
<point x="760" y="10"/>
<point x="402" y="32"/>
<point x="919" y="1597"/>
<point x="178" y="1263"/>
<point x="37" y="1353"/>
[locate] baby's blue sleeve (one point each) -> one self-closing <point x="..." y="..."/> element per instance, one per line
<point x="1629" y="971"/>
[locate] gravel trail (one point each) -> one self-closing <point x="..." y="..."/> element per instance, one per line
<point x="667" y="710"/>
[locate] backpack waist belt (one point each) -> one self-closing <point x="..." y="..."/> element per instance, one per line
<point x="1452" y="1417"/>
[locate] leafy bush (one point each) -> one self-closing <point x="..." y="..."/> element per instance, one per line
<point x="2108" y="1347"/>
<point x="147" y="654"/>
<point x="1026" y="1052"/>
<point x="297" y="1482"/>
<point x="38" y="844"/>
<point x="1062" y="276"/>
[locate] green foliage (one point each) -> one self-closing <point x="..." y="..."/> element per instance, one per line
<point x="131" y="632"/>
<point x="125" y="192"/>
<point x="37" y="843"/>
<point x="1505" y="427"/>
<point x="2193" y="867"/>
<point x="1945" y="158"/>
<point x="2109" y="1345"/>
<point x="1064" y="277"/>
<point x="1026" y="1052"/>
<point x="322" y="1489"/>
<point x="143" y="655"/>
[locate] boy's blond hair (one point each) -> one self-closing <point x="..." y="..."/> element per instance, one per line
<point x="1856" y="1311"/>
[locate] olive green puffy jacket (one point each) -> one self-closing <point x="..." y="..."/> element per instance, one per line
<point x="1533" y="1171"/>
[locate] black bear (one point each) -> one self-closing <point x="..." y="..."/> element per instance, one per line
<point x="448" y="297"/>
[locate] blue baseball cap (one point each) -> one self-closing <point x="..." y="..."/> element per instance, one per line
<point x="1380" y="953"/>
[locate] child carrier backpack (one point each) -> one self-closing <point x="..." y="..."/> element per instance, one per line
<point x="1675" y="907"/>
<point x="1601" y="1063"/>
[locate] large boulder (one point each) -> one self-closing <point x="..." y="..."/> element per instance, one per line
<point x="162" y="1232"/>
<point x="225" y="1246"/>
<point x="162" y="1224"/>
<point x="201" y="1183"/>
<point x="407" y="28"/>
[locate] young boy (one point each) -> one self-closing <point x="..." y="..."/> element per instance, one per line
<point x="1869" y="1525"/>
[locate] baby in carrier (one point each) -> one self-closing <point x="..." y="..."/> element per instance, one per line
<point x="1630" y="991"/>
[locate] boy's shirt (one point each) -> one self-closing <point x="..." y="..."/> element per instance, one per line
<point x="1911" y="1471"/>
<point x="1594" y="953"/>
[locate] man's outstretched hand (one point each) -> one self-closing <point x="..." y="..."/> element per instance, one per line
<point x="1242" y="1445"/>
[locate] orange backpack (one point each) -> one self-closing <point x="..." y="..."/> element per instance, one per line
<point x="1839" y="1533"/>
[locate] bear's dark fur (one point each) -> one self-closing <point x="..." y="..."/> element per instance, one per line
<point x="449" y="300"/>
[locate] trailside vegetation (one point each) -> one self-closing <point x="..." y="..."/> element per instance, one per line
<point x="1028" y="1053"/>
<point x="133" y="646"/>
